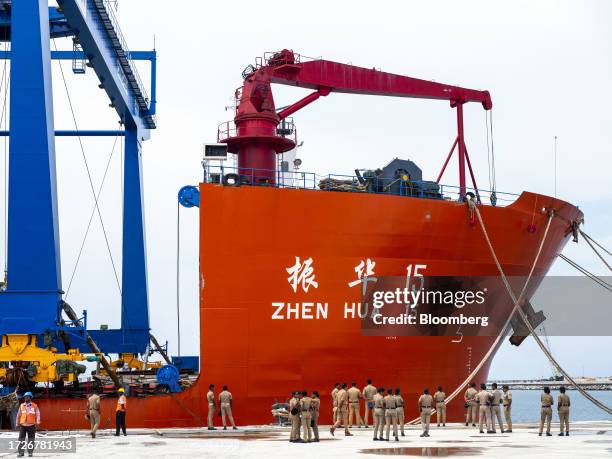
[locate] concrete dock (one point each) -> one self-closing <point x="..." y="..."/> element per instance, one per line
<point x="587" y="439"/>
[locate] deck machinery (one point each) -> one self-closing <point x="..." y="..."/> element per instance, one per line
<point x="42" y="338"/>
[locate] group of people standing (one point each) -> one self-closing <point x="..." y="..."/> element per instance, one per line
<point x="304" y="417"/>
<point x="225" y="407"/>
<point x="485" y="405"/>
<point x="386" y="407"/>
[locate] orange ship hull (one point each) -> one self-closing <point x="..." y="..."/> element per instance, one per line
<point x="250" y="238"/>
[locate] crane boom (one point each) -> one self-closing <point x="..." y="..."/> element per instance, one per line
<point x="344" y="78"/>
<point x="257" y="138"/>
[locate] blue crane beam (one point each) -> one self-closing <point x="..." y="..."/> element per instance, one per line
<point x="150" y="56"/>
<point x="101" y="39"/>
<point x="58" y="26"/>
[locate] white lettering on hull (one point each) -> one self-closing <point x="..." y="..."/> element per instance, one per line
<point x="306" y="310"/>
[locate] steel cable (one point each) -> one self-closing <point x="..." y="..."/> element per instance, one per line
<point x="589" y="239"/>
<point x="587" y="273"/>
<point x="91" y="216"/>
<point x="91" y="185"/>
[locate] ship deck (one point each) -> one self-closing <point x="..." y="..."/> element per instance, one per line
<point x="588" y="439"/>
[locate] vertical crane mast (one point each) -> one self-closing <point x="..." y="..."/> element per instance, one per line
<point x="256" y="140"/>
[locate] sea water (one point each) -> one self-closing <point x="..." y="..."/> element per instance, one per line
<point x="526" y="406"/>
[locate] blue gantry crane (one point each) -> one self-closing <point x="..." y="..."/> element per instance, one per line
<point x="35" y="321"/>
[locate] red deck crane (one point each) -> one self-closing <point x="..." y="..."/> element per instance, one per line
<point x="257" y="138"/>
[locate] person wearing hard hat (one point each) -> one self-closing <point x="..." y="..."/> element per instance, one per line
<point x="120" y="412"/>
<point x="28" y="417"/>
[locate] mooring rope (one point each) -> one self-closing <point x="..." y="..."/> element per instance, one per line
<point x="502" y="332"/>
<point x="589" y="239"/>
<point x="586" y="272"/>
<point x="526" y="320"/>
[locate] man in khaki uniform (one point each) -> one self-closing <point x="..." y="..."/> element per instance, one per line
<point x="399" y="402"/>
<point x="425" y="402"/>
<point x="93" y="412"/>
<point x="306" y="416"/>
<point x="294" y="417"/>
<point x="225" y="402"/>
<point x="369" y="392"/>
<point x="390" y="414"/>
<point x="354" y="396"/>
<point x="342" y="402"/>
<point x="440" y="400"/>
<point x="316" y="408"/>
<point x="210" y="397"/>
<point x="563" y="407"/>
<point x="379" y="414"/>
<point x="546" y="411"/>
<point x="334" y="396"/>
<point x="484" y="412"/>
<point x="496" y="399"/>
<point x="471" y="404"/>
<point x="507" y="400"/>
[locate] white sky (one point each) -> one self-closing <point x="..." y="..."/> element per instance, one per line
<point x="547" y="65"/>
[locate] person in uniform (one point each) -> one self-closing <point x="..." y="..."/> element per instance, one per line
<point x="210" y="397"/>
<point x="120" y="412"/>
<point x="28" y="417"/>
<point x="399" y="402"/>
<point x="496" y="400"/>
<point x="334" y="396"/>
<point x="306" y="416"/>
<point x="342" y="402"/>
<point x="424" y="404"/>
<point x="379" y="414"/>
<point x="294" y="417"/>
<point x="563" y="406"/>
<point x="390" y="414"/>
<point x="368" y="394"/>
<point x="440" y="400"/>
<point x="483" y="399"/>
<point x="471" y="404"/>
<point x="226" y="402"/>
<point x="507" y="400"/>
<point x="316" y="408"/>
<point x="93" y="412"/>
<point x="354" y="396"/>
<point x="546" y="411"/>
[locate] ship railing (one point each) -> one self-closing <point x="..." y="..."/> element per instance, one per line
<point x="286" y="128"/>
<point x="348" y="183"/>
<point x="221" y="173"/>
<point x="226" y="130"/>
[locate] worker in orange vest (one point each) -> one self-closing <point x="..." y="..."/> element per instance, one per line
<point x="28" y="417"/>
<point x="120" y="412"/>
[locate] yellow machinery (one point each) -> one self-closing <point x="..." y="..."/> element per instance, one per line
<point x="133" y="363"/>
<point x="21" y="357"/>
